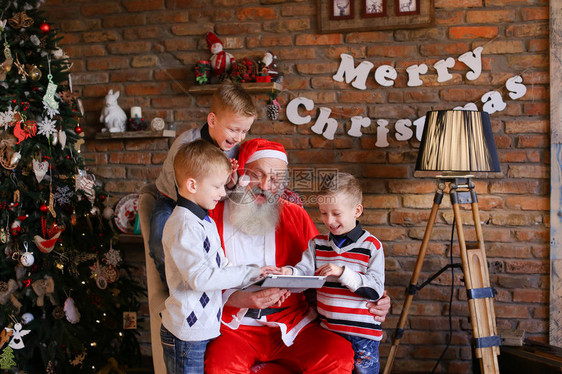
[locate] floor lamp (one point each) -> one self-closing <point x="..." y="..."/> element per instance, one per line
<point x="458" y="143"/>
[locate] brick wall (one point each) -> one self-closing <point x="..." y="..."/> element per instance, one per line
<point x="146" y="49"/>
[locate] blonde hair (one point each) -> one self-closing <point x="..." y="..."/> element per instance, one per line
<point x="343" y="183"/>
<point x="234" y="98"/>
<point x="198" y="160"/>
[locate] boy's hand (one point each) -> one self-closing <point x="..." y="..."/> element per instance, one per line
<point x="270" y="270"/>
<point x="286" y="271"/>
<point x="233" y="179"/>
<point x="330" y="269"/>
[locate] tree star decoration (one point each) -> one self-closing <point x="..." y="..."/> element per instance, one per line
<point x="17" y="341"/>
<point x="112" y="257"/>
<point x="46" y="127"/>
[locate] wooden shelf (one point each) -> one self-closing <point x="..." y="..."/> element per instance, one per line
<point x="253" y="87"/>
<point x="136" y="134"/>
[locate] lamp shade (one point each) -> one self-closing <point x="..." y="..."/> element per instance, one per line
<point x="457" y="141"/>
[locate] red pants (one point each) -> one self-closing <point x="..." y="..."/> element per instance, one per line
<point x="314" y="351"/>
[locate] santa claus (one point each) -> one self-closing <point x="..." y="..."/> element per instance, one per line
<point x="271" y="326"/>
<point x="221" y="61"/>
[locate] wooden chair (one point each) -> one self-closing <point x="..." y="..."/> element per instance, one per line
<point x="157" y="291"/>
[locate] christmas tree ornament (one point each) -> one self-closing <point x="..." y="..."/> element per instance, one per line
<point x="16" y="157"/>
<point x="54" y="138"/>
<point x="51" y="206"/>
<point x="110" y="273"/>
<point x="27" y="258"/>
<point x="17" y="341"/>
<point x="44" y="287"/>
<point x="7" y="290"/>
<point x="45" y="27"/>
<point x="46" y="126"/>
<point x="46" y="245"/>
<point x="7" y="359"/>
<point x="5" y="336"/>
<point x="34" y="73"/>
<point x="43" y="208"/>
<point x="73" y="218"/>
<point x="58" y="312"/>
<point x="112" y="257"/>
<point x="3" y="235"/>
<point x="28" y="130"/>
<point x="40" y="169"/>
<point x="20" y="20"/>
<point x="6" y="66"/>
<point x="21" y="68"/>
<point x="15" y="228"/>
<point x="62" y="139"/>
<point x="129" y="320"/>
<point x="71" y="311"/>
<point x="49" y="98"/>
<point x="27" y="318"/>
<point x="85" y="182"/>
<point x="101" y="282"/>
<point x="78" y="359"/>
<point x="108" y="213"/>
<point x="78" y="129"/>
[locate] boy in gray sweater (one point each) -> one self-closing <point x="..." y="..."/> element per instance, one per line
<point x="196" y="268"/>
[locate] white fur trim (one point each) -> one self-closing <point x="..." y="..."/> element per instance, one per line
<point x="267" y="153"/>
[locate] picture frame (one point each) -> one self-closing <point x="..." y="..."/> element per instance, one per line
<point x="407" y="7"/>
<point x="341" y="9"/>
<point x="360" y="19"/>
<point x="374" y="8"/>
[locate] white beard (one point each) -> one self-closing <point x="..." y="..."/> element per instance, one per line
<point x="251" y="218"/>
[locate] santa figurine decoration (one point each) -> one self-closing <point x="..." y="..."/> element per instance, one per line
<point x="221" y="61"/>
<point x="268" y="66"/>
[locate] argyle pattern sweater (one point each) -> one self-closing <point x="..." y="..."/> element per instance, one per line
<point x="196" y="272"/>
<point x="342" y="301"/>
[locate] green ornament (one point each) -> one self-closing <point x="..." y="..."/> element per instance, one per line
<point x="7" y="358"/>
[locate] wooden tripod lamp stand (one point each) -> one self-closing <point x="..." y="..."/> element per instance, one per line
<point x="457" y="143"/>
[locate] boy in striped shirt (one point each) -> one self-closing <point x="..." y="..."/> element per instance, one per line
<point x="353" y="260"/>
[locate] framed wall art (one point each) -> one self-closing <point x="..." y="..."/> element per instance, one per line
<point x="341" y="9"/>
<point x="373" y="8"/>
<point x="365" y="15"/>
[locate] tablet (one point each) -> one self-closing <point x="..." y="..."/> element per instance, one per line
<point x="294" y="283"/>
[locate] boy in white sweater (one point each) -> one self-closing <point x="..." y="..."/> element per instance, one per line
<point x="196" y="268"/>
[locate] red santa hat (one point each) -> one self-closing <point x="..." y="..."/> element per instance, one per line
<point x="255" y="149"/>
<point x="212" y="38"/>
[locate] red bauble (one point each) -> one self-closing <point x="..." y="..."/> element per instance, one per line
<point x="78" y="129"/>
<point x="45" y="28"/>
<point x="43" y="208"/>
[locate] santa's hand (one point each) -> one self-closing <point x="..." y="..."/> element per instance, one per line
<point x="380" y="308"/>
<point x="285" y="270"/>
<point x="329" y="269"/>
<point x="259" y="299"/>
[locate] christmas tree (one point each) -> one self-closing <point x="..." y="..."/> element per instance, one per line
<point x="67" y="300"/>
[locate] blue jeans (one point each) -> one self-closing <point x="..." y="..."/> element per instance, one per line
<point x="182" y="357"/>
<point x="163" y="208"/>
<point x="366" y="354"/>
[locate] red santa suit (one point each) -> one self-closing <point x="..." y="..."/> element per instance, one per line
<point x="290" y="337"/>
